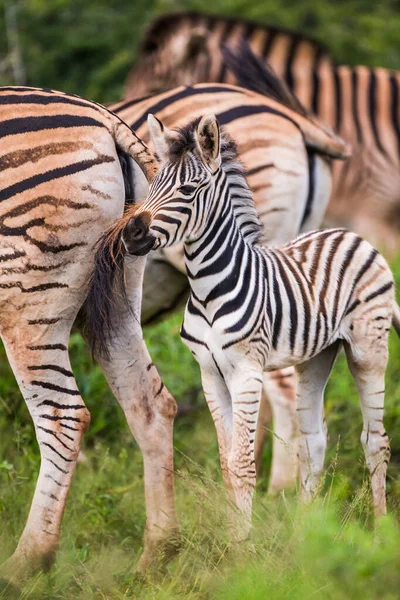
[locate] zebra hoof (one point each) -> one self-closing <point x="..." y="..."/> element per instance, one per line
<point x="156" y="556"/>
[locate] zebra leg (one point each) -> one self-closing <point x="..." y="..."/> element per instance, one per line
<point x="38" y="354"/>
<point x="150" y="411"/>
<point x="312" y="377"/>
<point x="368" y="371"/>
<point x="219" y="402"/>
<point x="246" y="394"/>
<point x="281" y="389"/>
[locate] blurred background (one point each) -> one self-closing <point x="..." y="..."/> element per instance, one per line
<point x="88" y="47"/>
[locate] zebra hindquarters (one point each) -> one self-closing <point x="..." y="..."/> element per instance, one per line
<point x="47" y="237"/>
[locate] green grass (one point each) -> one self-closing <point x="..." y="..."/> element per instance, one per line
<point x="324" y="551"/>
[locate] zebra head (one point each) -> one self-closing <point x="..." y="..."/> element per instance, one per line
<point x="180" y="195"/>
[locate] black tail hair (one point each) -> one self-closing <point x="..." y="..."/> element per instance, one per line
<point x="107" y="292"/>
<point x="257" y="76"/>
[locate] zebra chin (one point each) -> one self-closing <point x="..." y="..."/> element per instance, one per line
<point x="140" y="247"/>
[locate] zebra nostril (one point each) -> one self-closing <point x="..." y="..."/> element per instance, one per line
<point x="138" y="233"/>
<point x="138" y="229"/>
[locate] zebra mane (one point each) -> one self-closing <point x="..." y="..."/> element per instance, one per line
<point x="240" y="193"/>
<point x="258" y="76"/>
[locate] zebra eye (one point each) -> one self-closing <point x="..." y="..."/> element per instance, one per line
<point x="187" y="190"/>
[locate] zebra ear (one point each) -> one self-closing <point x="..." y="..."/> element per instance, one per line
<point x="208" y="141"/>
<point x="159" y="135"/>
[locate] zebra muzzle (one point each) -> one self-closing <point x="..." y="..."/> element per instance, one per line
<point x="136" y="235"/>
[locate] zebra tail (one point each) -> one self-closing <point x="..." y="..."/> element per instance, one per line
<point x="259" y="77"/>
<point x="107" y="298"/>
<point x="396" y="318"/>
<point x="129" y="142"/>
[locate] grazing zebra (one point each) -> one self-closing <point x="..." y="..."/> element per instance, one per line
<point x="362" y="105"/>
<point x="61" y="185"/>
<point x="253" y="309"/>
<point x="285" y="152"/>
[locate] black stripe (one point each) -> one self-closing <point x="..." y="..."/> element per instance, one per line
<point x="44" y="100"/>
<point x="48" y="347"/>
<point x="380" y="291"/>
<point x="372" y="107"/>
<point x="63" y="418"/>
<point x="185" y="93"/>
<point x="43" y="321"/>
<point x="56" y="466"/>
<point x="259" y="169"/>
<point x="238" y="112"/>
<point x="311" y="187"/>
<point x="227" y="32"/>
<point x="345" y="265"/>
<point x="315" y="92"/>
<point x="53" y="433"/>
<point x="294" y="44"/>
<point x="292" y="302"/>
<point x="159" y="390"/>
<point x="55" y="388"/>
<point x="12" y="256"/>
<point x="354" y="107"/>
<point x="62" y="406"/>
<point x="366" y="266"/>
<point x="315" y="81"/>
<point x="56" y="452"/>
<point x="65" y="372"/>
<point x="305" y="304"/>
<point x="338" y="99"/>
<point x="243" y="321"/>
<point x="51" y="175"/>
<point x="30" y="124"/>
<point x="186" y="336"/>
<point x="394" y="108"/>
<point x="353" y="306"/>
<point x="116" y="108"/>
<point x="268" y="43"/>
<point x="277" y="323"/>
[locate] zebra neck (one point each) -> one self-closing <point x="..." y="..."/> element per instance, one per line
<point x="215" y="260"/>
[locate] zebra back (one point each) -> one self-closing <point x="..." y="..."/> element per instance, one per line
<point x="184" y="48"/>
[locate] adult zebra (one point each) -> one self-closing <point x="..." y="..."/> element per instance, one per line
<point x="253" y="309"/>
<point x="361" y="104"/>
<point x="285" y="152"/>
<point x="61" y="185"/>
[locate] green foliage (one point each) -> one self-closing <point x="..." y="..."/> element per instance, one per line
<point x="87" y="47"/>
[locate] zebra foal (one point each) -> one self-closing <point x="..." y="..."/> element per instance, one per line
<point x="253" y="309"/>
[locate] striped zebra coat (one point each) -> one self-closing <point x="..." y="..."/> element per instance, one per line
<point x="253" y="309"/>
<point x="286" y="155"/>
<point x="62" y="160"/>
<point x="361" y="104"/>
